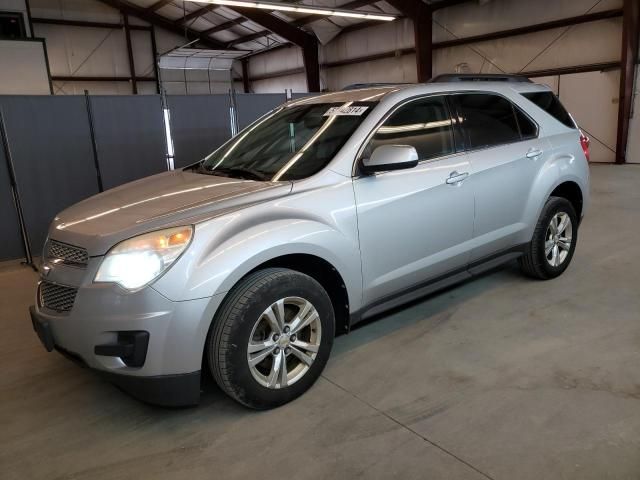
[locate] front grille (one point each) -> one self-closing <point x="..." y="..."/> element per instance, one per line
<point x="56" y="297"/>
<point x="67" y="253"/>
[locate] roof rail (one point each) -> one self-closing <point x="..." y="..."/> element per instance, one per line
<point x="479" y="77"/>
<point x="356" y="86"/>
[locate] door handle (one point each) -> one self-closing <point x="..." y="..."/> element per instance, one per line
<point x="533" y="153"/>
<point x="456" y="178"/>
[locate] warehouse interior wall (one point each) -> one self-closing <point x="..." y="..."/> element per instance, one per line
<point x="23" y="63"/>
<point x="592" y="97"/>
<point x="83" y="51"/>
<point x="23" y="68"/>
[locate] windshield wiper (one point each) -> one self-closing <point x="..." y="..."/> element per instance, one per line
<point x="240" y="172"/>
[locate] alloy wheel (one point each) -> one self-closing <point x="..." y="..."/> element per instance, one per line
<point x="558" y="239"/>
<point x="284" y="342"/>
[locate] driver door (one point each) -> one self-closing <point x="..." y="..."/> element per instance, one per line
<point x="415" y="225"/>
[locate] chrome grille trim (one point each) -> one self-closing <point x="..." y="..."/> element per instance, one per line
<point x="56" y="297"/>
<point x="66" y="253"/>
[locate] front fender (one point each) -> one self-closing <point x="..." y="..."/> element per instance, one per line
<point x="225" y="249"/>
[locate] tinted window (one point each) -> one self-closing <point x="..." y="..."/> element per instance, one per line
<point x="487" y="119"/>
<point x="528" y="129"/>
<point x="548" y="102"/>
<point x="424" y="124"/>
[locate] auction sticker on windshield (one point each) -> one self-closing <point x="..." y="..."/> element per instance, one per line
<point x="335" y="111"/>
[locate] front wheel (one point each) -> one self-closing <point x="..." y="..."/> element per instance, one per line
<point x="554" y="240"/>
<point x="272" y="337"/>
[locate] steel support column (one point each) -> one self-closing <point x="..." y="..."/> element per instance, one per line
<point x="423" y="34"/>
<point x="628" y="60"/>
<point x="154" y="53"/>
<point x="132" y="66"/>
<point x="422" y="16"/>
<point x="245" y="75"/>
<point x="311" y="65"/>
<point x="293" y="34"/>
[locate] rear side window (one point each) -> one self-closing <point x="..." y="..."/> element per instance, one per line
<point x="424" y="124"/>
<point x="528" y="129"/>
<point x="488" y="120"/>
<point x="548" y="102"/>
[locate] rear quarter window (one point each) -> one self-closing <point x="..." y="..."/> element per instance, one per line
<point x="548" y="102"/>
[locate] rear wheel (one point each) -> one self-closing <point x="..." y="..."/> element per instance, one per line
<point x="272" y="337"/>
<point x="554" y="240"/>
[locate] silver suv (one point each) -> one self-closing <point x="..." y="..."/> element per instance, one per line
<point x="322" y="213"/>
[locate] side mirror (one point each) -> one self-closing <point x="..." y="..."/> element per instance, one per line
<point x="390" y="157"/>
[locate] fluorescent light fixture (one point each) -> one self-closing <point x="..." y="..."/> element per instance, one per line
<point x="349" y="14"/>
<point x="290" y="7"/>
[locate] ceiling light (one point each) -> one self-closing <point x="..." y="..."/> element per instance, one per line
<point x="288" y="7"/>
<point x="349" y="14"/>
<point x="284" y="8"/>
<point x="314" y="11"/>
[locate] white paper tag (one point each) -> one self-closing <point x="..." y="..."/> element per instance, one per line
<point x="353" y="111"/>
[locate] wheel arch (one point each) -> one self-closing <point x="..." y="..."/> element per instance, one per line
<point x="572" y="192"/>
<point x="317" y="268"/>
<point x="324" y="273"/>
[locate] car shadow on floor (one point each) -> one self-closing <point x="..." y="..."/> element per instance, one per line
<point x="427" y="309"/>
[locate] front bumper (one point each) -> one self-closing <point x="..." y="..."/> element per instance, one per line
<point x="163" y="369"/>
<point x="163" y="390"/>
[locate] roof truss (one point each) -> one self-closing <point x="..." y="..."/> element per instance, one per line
<point x="160" y="21"/>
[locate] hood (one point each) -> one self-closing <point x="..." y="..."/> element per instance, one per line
<point x="163" y="200"/>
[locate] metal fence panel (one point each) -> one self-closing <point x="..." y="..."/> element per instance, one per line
<point x="11" y="246"/>
<point x="130" y="137"/>
<point x="252" y="106"/>
<point x="199" y="125"/>
<point x="52" y="156"/>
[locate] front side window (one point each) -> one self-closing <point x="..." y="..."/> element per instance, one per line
<point x="488" y="120"/>
<point x="424" y="124"/>
<point x="290" y="144"/>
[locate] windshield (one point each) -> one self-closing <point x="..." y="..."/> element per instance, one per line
<point x="292" y="143"/>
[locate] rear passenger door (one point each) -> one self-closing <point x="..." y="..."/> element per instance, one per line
<point x="506" y="152"/>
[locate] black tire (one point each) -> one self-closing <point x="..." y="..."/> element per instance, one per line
<point x="233" y="325"/>
<point x="534" y="262"/>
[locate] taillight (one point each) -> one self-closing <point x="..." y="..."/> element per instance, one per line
<point x="584" y="142"/>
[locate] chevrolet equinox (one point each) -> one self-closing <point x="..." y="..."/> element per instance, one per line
<point x="322" y="213"/>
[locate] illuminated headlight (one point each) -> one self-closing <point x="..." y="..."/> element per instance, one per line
<point x="140" y="260"/>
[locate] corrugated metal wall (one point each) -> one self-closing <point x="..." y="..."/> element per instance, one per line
<point x="591" y="97"/>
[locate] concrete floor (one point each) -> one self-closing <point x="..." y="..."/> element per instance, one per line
<point x="502" y="378"/>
